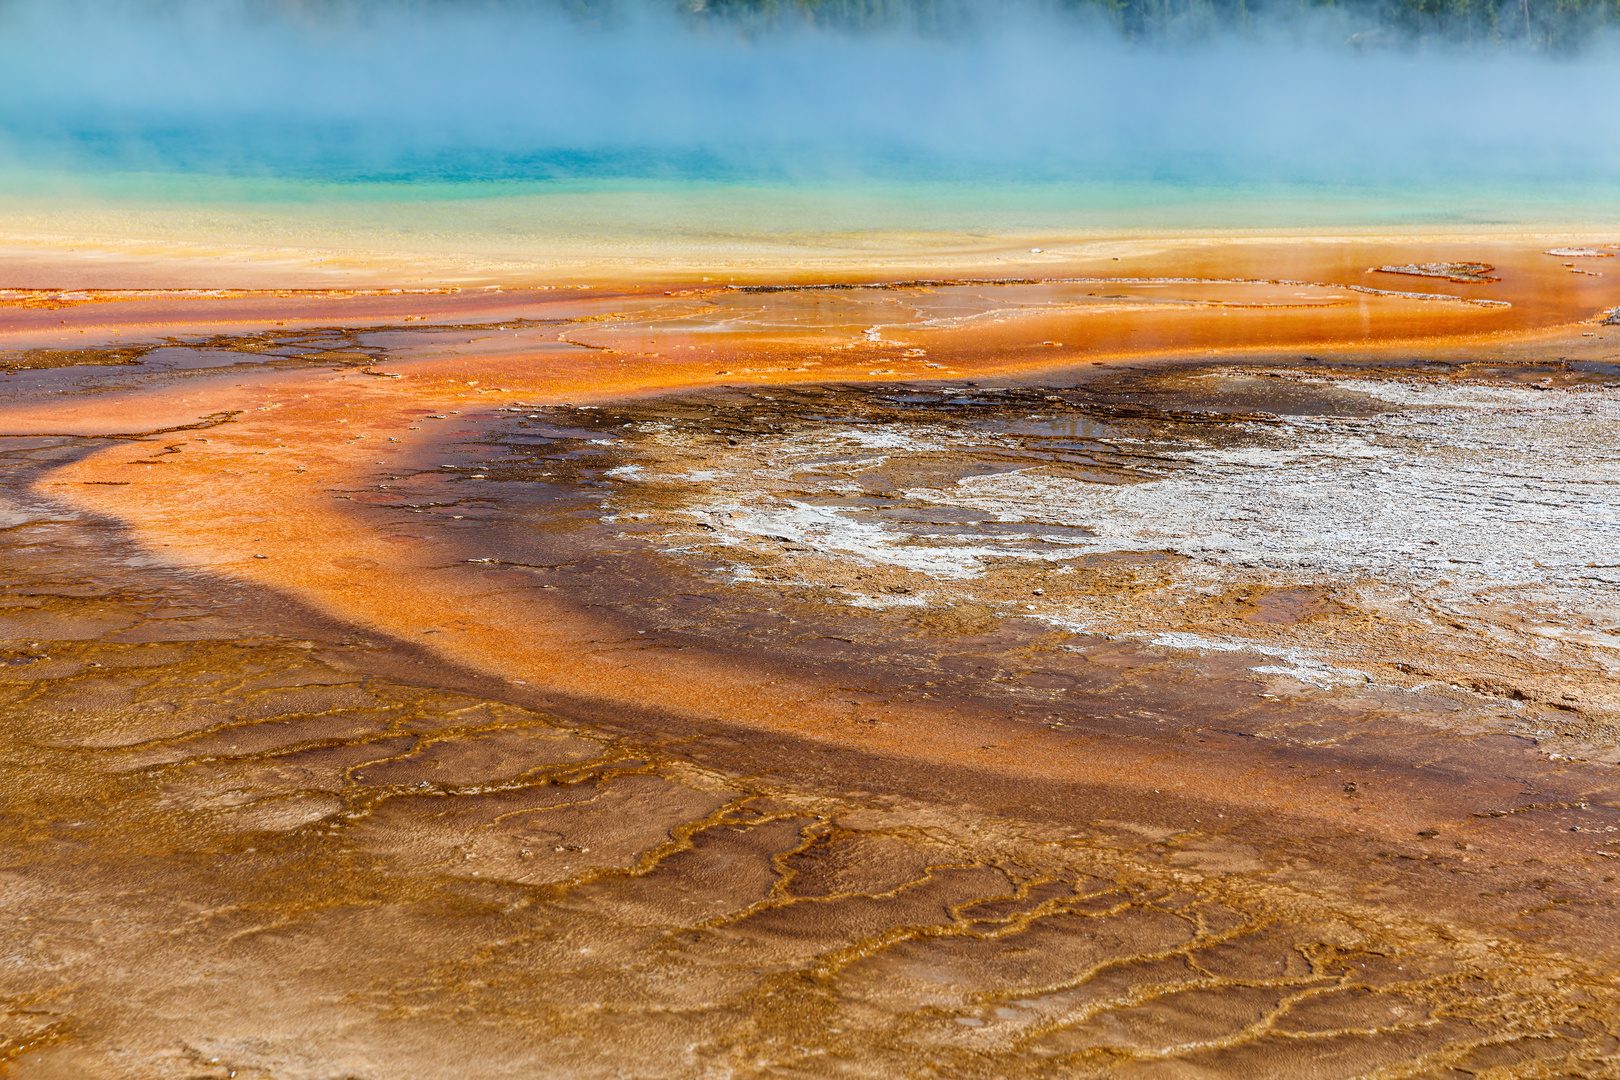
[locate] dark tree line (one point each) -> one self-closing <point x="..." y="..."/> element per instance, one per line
<point x="1553" y="25"/>
<point x="1544" y="25"/>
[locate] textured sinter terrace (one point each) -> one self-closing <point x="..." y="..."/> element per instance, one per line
<point x="1183" y="667"/>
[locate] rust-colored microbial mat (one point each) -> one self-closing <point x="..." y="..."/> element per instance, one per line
<point x="1191" y="664"/>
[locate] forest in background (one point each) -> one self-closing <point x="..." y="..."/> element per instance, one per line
<point x="1543" y="25"/>
<point x="1548" y="26"/>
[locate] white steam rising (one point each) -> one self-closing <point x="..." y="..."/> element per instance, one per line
<point x="1016" y="95"/>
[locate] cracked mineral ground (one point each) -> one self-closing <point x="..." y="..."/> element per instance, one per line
<point x="375" y="705"/>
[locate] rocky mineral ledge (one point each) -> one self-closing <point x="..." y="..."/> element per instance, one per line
<point x="1148" y="673"/>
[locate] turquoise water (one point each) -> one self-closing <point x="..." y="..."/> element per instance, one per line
<point x="600" y="213"/>
<point x="484" y="127"/>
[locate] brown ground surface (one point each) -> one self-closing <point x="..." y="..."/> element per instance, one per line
<point x="351" y="729"/>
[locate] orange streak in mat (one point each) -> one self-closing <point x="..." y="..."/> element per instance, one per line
<point x="269" y="483"/>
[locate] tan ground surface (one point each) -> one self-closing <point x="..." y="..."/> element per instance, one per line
<point x="366" y="717"/>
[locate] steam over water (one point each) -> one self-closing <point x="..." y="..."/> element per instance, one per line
<point x="1008" y="95"/>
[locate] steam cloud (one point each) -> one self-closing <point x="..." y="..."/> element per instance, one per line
<point x="1012" y="93"/>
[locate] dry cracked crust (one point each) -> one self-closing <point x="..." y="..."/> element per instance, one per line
<point x="247" y="856"/>
<point x="242" y="841"/>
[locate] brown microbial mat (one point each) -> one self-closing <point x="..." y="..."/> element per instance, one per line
<point x="908" y="679"/>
